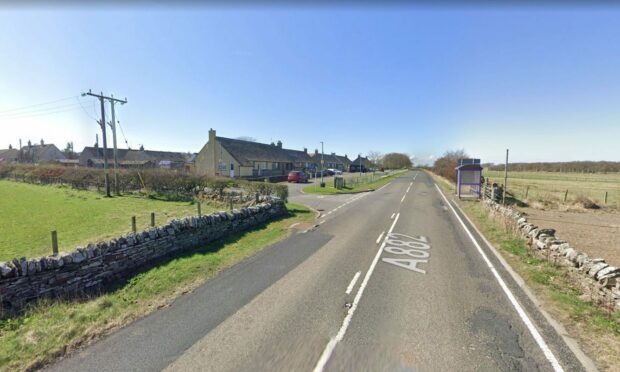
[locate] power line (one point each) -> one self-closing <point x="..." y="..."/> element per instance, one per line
<point x="39" y="114"/>
<point x="84" y="109"/>
<point x="37" y="104"/>
<point x="39" y="110"/>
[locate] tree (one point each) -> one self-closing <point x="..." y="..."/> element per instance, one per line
<point x="68" y="151"/>
<point x="445" y="165"/>
<point x="374" y="157"/>
<point x="396" y="160"/>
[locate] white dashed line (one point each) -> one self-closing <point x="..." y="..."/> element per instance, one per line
<point x="380" y="236"/>
<point x="329" y="349"/>
<point x="353" y="281"/>
<point x="393" y="214"/>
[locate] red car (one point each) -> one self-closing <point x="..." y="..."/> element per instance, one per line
<point x="297" y="176"/>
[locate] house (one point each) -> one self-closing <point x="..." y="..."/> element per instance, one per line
<point x="40" y="153"/>
<point x="229" y="157"/>
<point x="365" y="164"/>
<point x="331" y="161"/>
<point x="8" y="156"/>
<point x="127" y="158"/>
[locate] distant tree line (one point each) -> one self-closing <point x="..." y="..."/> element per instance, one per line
<point x="570" y="166"/>
<point x="396" y="160"/>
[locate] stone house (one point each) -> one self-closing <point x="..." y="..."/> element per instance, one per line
<point x="32" y="154"/>
<point x="93" y="157"/>
<point x="227" y="157"/>
<point x="8" y="156"/>
<point x="332" y="161"/>
<point x="365" y="164"/>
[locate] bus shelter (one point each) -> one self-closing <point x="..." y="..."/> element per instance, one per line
<point x="468" y="178"/>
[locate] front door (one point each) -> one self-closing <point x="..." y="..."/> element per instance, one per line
<point x="232" y="170"/>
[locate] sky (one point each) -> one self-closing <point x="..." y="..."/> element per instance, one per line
<point x="542" y="81"/>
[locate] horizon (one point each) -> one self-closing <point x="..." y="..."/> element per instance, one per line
<point x="540" y="81"/>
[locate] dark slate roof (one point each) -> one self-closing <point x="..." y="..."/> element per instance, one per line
<point x="367" y="163"/>
<point x="9" y="154"/>
<point x="344" y="160"/>
<point x="247" y="151"/>
<point x="136" y="155"/>
<point x="300" y="156"/>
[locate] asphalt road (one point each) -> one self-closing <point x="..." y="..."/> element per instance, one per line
<point x="389" y="280"/>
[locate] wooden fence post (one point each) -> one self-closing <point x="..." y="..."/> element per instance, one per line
<point x="152" y="219"/>
<point x="133" y="224"/>
<point x="605" y="197"/>
<point x="565" y="195"/>
<point x="199" y="211"/>
<point x="527" y="190"/>
<point x="231" y="203"/>
<point x="54" y="243"/>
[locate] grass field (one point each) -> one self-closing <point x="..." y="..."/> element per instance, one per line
<point x="553" y="185"/>
<point x="354" y="183"/>
<point x="29" y="212"/>
<point x="49" y="330"/>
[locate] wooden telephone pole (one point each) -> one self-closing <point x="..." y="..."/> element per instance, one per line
<point x="102" y="123"/>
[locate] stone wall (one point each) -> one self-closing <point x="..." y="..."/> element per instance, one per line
<point x="597" y="278"/>
<point x="90" y="269"/>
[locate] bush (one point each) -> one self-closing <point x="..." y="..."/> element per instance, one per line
<point x="171" y="184"/>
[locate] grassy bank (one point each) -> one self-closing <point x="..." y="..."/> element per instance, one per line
<point x="51" y="329"/>
<point x="597" y="330"/>
<point x="29" y="212"/>
<point x="367" y="182"/>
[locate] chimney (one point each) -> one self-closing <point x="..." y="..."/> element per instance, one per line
<point x="211" y="135"/>
<point x="42" y="143"/>
<point x="316" y="151"/>
<point x="346" y="156"/>
<point x="333" y="154"/>
<point x="272" y="144"/>
<point x="306" y="150"/>
<point x="29" y="143"/>
<point x="10" y="147"/>
<point x="279" y="144"/>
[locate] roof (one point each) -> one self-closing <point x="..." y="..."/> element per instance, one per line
<point x="365" y="162"/>
<point x="300" y="156"/>
<point x="469" y="167"/>
<point x="9" y="154"/>
<point x="245" y="152"/>
<point x="136" y="155"/>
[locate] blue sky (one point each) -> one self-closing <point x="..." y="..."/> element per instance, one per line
<point x="544" y="82"/>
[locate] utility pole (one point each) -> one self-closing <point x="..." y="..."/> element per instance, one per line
<point x="321" y="162"/>
<point x="505" y="178"/>
<point x="113" y="126"/>
<point x="102" y="123"/>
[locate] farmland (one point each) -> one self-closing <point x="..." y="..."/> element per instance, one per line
<point x="29" y="212"/>
<point x="552" y="186"/>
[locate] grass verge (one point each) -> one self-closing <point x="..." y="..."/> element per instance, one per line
<point x="329" y="189"/>
<point x="597" y="330"/>
<point x="51" y="329"/>
<point x="29" y="212"/>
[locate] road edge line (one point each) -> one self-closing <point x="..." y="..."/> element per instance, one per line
<point x="572" y="343"/>
<point x="542" y="344"/>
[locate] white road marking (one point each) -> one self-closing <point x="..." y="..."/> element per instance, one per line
<point x="403" y="199"/>
<point x="329" y="349"/>
<point x="393" y="214"/>
<point x="380" y="236"/>
<point x="415" y="176"/>
<point x="513" y="300"/>
<point x="353" y="281"/>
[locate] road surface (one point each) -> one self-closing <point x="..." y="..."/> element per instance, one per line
<point x="394" y="279"/>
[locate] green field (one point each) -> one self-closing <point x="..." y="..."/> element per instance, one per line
<point x="29" y="212"/>
<point x="552" y="186"/>
<point x="51" y="329"/>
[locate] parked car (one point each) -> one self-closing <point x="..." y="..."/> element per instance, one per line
<point x="297" y="176"/>
<point x="334" y="172"/>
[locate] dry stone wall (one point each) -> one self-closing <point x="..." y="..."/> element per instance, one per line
<point x="597" y="278"/>
<point x="90" y="269"/>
